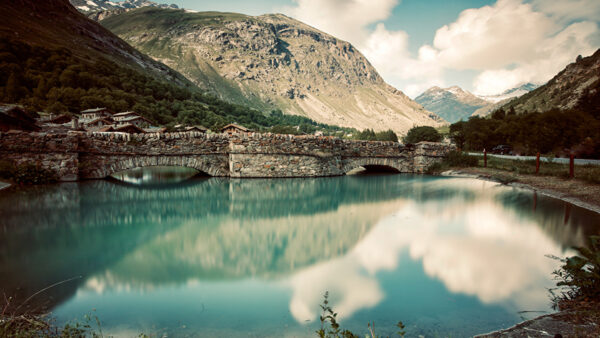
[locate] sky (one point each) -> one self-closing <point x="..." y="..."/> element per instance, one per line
<point x="483" y="46"/>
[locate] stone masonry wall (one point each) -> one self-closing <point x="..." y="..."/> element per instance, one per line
<point x="79" y="155"/>
<point x="54" y="152"/>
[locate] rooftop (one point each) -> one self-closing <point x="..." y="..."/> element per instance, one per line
<point x="94" y="110"/>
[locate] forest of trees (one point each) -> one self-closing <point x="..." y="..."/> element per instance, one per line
<point x="555" y="132"/>
<point x="55" y="81"/>
<point x="370" y="135"/>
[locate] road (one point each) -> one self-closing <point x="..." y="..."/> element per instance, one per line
<point x="578" y="161"/>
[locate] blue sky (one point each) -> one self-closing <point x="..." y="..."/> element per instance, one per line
<point x="483" y="46"/>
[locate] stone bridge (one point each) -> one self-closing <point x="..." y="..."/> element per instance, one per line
<point x="93" y="155"/>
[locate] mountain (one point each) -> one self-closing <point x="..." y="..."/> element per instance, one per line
<point x="497" y="101"/>
<point x="87" y="6"/>
<point x="452" y="104"/>
<point x="510" y="93"/>
<point x="57" y="25"/>
<point x="272" y="62"/>
<point x="56" y="60"/>
<point x="575" y="87"/>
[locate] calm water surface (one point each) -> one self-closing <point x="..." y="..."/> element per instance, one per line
<point x="223" y="257"/>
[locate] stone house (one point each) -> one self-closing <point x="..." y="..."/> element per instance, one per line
<point x="197" y="128"/>
<point x="138" y="121"/>
<point x="129" y="128"/>
<point x="233" y="128"/>
<point x="125" y="115"/>
<point x="92" y="114"/>
<point x="13" y="117"/>
<point x="61" y="119"/>
<point x="99" y="122"/>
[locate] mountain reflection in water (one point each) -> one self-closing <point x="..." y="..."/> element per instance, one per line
<point x="456" y="256"/>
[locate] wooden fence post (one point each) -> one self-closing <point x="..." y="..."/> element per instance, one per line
<point x="571" y="165"/>
<point x="484" y="158"/>
<point x="537" y="163"/>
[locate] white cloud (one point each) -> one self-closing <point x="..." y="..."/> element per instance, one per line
<point x="554" y="53"/>
<point x="509" y="43"/>
<point x="345" y="19"/>
<point x="492" y="36"/>
<point x="566" y="10"/>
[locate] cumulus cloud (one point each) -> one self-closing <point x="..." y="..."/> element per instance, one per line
<point x="568" y="10"/>
<point x="554" y="53"/>
<point x="508" y="43"/>
<point x="345" y="19"/>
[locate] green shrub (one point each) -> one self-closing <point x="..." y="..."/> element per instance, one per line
<point x="579" y="276"/>
<point x="420" y="134"/>
<point x="460" y="159"/>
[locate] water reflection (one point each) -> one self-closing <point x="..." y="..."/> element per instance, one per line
<point x="156" y="175"/>
<point x="428" y="251"/>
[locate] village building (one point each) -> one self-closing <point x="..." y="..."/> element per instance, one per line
<point x="125" y="115"/>
<point x="138" y="121"/>
<point x="60" y="119"/>
<point x="129" y="128"/>
<point x="13" y="117"/>
<point x="99" y="122"/>
<point x="155" y="130"/>
<point x="233" y="128"/>
<point x="198" y="128"/>
<point x="92" y="114"/>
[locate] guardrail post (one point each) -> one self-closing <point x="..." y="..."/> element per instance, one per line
<point x="537" y="163"/>
<point x="571" y="165"/>
<point x="484" y="158"/>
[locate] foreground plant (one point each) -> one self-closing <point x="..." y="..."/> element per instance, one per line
<point x="578" y="279"/>
<point x="330" y="328"/>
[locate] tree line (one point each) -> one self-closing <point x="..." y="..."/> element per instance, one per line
<point x="557" y="132"/>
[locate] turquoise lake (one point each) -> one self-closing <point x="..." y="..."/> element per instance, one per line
<point x="215" y="257"/>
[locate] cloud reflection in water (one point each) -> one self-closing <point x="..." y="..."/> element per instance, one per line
<point x="477" y="247"/>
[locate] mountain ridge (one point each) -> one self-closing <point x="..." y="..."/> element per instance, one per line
<point x="452" y="103"/>
<point x="455" y="104"/>
<point x="577" y="86"/>
<point x="272" y="62"/>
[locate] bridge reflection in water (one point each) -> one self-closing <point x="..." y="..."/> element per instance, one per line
<point x="228" y="256"/>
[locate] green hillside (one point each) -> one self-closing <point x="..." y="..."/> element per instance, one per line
<point x="78" y="64"/>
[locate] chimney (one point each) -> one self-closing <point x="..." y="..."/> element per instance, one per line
<point x="75" y="123"/>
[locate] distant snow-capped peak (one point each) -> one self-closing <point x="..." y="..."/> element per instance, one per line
<point x="88" y="6"/>
<point x="510" y="93"/>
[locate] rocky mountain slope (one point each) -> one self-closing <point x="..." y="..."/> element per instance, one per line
<point x="577" y="86"/>
<point x="56" y="60"/>
<point x="455" y="104"/>
<point x="452" y="104"/>
<point x="272" y="62"/>
<point x="56" y="24"/>
<point x="87" y="6"/>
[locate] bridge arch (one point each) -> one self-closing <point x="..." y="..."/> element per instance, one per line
<point x="108" y="165"/>
<point x="374" y="164"/>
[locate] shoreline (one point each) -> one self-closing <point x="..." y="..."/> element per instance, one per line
<point x="467" y="173"/>
<point x="548" y="325"/>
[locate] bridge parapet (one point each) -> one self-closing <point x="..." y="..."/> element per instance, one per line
<point x="80" y="155"/>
